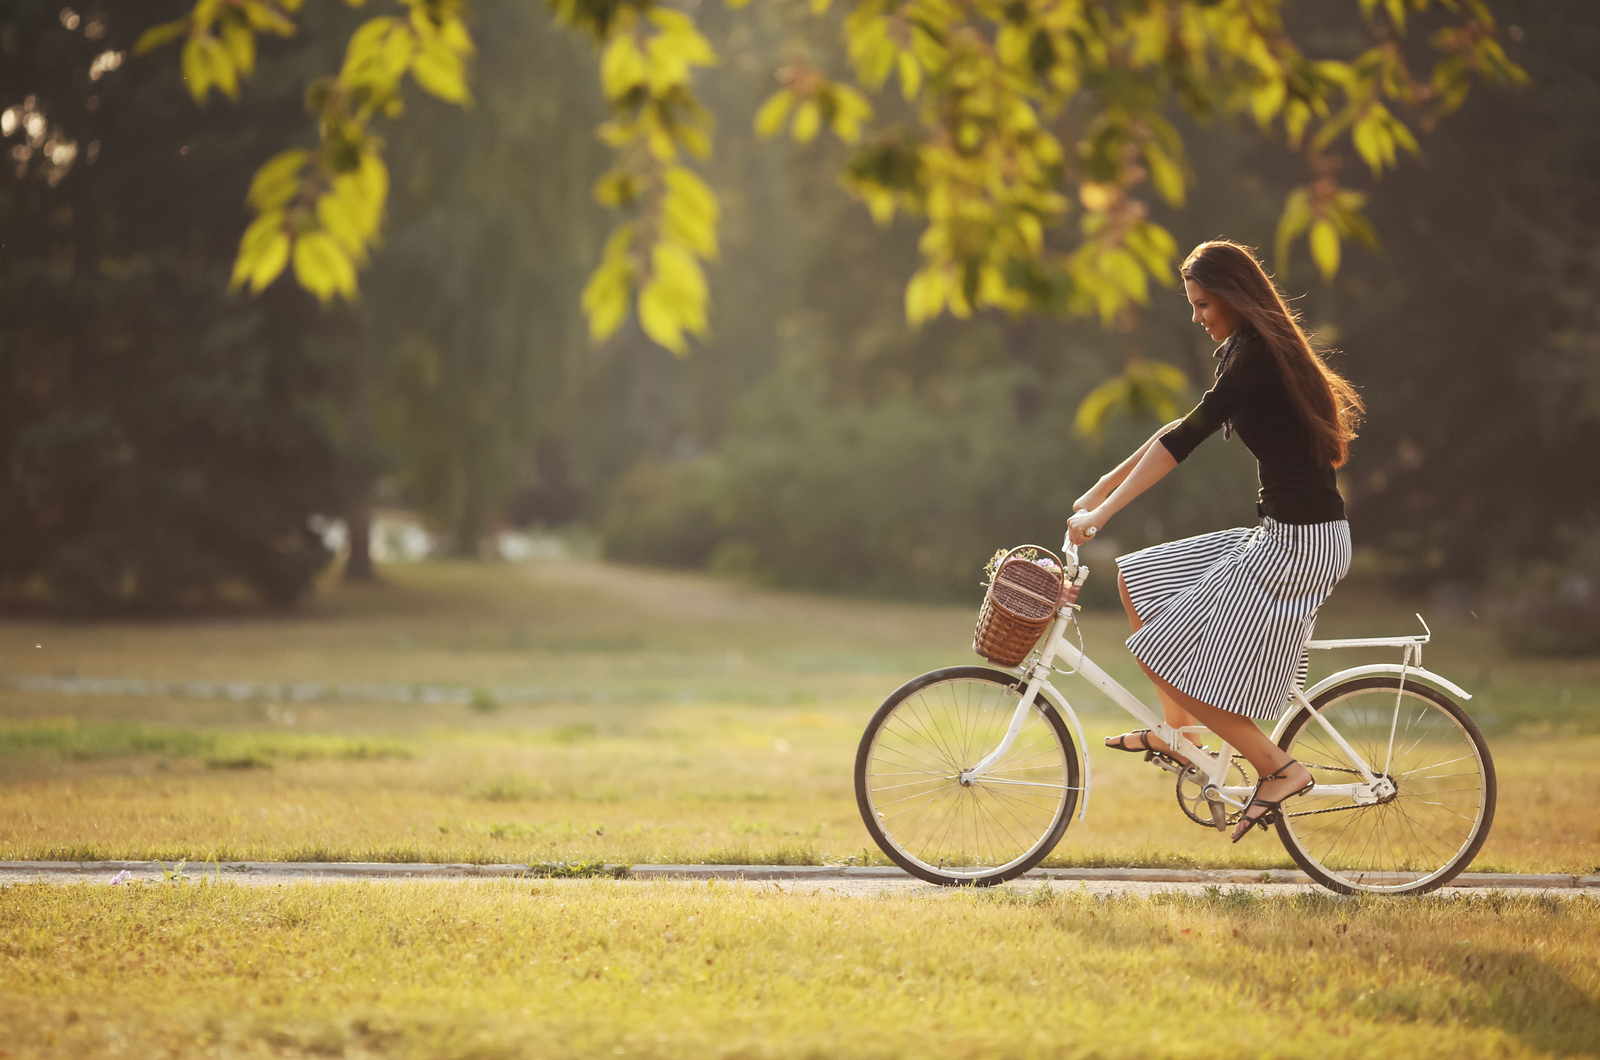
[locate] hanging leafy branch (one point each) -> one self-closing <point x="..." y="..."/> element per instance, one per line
<point x="322" y="208"/>
<point x="1020" y="102"/>
<point x="647" y="58"/>
<point x="1040" y="128"/>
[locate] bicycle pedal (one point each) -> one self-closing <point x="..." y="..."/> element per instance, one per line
<point x="1170" y="764"/>
<point x="1219" y="815"/>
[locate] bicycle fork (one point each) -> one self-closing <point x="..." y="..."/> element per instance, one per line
<point x="975" y="773"/>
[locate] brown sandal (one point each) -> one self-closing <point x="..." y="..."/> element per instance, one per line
<point x="1269" y="815"/>
<point x="1149" y="752"/>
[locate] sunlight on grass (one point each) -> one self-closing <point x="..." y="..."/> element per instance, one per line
<point x="686" y="720"/>
<point x="66" y="739"/>
<point x="598" y="968"/>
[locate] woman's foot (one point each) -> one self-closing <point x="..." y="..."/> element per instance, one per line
<point x="1142" y="740"/>
<point x="1271" y="792"/>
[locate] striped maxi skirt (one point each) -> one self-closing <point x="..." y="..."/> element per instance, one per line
<point x="1226" y="615"/>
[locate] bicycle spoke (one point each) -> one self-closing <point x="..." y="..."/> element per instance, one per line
<point x="920" y="752"/>
<point x="1436" y="816"/>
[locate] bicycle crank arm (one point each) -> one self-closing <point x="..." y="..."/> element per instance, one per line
<point x="1219" y="810"/>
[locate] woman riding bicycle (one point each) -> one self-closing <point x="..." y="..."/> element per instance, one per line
<point x="1220" y="621"/>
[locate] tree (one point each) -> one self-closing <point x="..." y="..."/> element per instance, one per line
<point x="1024" y="117"/>
<point x="470" y="315"/>
<point x="161" y="439"/>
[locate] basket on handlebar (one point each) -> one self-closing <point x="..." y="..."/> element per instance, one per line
<point x="1026" y="586"/>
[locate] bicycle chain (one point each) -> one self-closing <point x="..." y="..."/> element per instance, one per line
<point x="1331" y="809"/>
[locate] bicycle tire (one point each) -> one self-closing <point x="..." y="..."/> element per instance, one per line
<point x="913" y="803"/>
<point x="1423" y="836"/>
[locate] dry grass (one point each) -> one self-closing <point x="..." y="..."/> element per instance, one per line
<point x="591" y="968"/>
<point x="682" y="719"/>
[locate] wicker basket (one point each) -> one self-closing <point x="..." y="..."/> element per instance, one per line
<point x="1021" y="600"/>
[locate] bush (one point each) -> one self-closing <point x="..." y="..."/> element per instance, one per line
<point x="1553" y="609"/>
<point x="662" y="513"/>
<point x="908" y="497"/>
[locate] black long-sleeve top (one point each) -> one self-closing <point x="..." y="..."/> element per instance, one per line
<point x="1251" y="398"/>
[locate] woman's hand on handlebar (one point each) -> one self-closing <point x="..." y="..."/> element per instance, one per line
<point x="1084" y="525"/>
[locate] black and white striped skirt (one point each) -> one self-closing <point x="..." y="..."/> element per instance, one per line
<point x="1227" y="615"/>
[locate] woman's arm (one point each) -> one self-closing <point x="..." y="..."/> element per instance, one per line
<point x="1154" y="463"/>
<point x="1115" y="477"/>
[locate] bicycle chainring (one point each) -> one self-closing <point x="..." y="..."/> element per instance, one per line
<point x="1191" y="792"/>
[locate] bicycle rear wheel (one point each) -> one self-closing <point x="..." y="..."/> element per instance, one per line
<point x="1417" y="839"/>
<point x="908" y="778"/>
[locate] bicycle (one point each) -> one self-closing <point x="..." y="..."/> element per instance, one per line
<point x="970" y="775"/>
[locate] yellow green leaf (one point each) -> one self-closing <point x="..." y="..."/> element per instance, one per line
<point x="157" y="35"/>
<point x="910" y="75"/>
<point x="659" y="319"/>
<point x="256" y="238"/>
<point x="338" y="220"/>
<point x="1296" y="217"/>
<point x="441" y="73"/>
<point x="690" y="211"/>
<point x="769" y="119"/>
<point x="1325" y="248"/>
<point x="617" y="188"/>
<point x="1397" y="14"/>
<point x="322" y="268"/>
<point x="365" y="53"/>
<point x="622" y="67"/>
<point x="266" y="19"/>
<point x="240" y="45"/>
<point x="807" y="122"/>
<point x="1096" y="408"/>
<point x="1296" y="115"/>
<point x="196" y="64"/>
<point x="679" y="275"/>
<point x="605" y="296"/>
<point x="1367" y="137"/>
<point x="1164" y="173"/>
<point x="270" y="262"/>
<point x="277" y="181"/>
<point x="605" y="301"/>
<point x="453" y="33"/>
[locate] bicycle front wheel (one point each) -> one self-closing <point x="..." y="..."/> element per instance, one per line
<point x="913" y="800"/>
<point x="1431" y="827"/>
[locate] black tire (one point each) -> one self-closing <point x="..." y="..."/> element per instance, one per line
<point x="1424" y="835"/>
<point x="977" y="835"/>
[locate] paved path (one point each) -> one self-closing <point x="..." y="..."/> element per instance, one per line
<point x="845" y="880"/>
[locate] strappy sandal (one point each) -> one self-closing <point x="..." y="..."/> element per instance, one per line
<point x="1149" y="752"/>
<point x="1270" y="815"/>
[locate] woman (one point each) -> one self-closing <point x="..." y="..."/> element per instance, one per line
<point x="1220" y="621"/>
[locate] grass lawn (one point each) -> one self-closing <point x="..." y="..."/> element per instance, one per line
<point x="678" y="718"/>
<point x="599" y="968"/>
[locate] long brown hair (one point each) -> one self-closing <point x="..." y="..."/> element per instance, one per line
<point x="1326" y="401"/>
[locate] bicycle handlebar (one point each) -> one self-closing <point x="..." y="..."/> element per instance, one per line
<point x="1069" y="551"/>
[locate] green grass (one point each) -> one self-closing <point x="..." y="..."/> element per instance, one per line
<point x="67" y="740"/>
<point x="598" y="968"/>
<point x="679" y="719"/>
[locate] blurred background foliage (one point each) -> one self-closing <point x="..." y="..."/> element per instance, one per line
<point x="166" y="441"/>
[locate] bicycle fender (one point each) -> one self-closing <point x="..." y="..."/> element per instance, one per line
<point x="1410" y="672"/>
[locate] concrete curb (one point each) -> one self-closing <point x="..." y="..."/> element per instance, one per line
<point x="384" y="870"/>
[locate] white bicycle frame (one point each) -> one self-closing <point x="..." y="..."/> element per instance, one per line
<point x="1373" y="786"/>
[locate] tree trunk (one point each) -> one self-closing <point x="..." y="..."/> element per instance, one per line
<point x="358" y="562"/>
<point x="358" y="518"/>
<point x="470" y="516"/>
